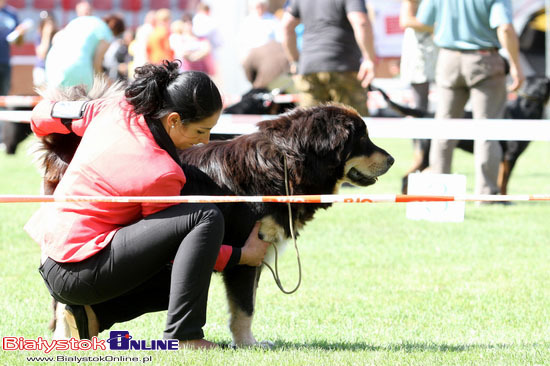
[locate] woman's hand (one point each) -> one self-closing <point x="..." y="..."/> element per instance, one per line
<point x="253" y="252"/>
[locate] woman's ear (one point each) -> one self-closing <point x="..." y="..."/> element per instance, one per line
<point x="173" y="119"/>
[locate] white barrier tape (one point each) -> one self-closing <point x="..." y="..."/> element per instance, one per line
<point x="328" y="198"/>
<point x="15" y="116"/>
<point x="421" y="128"/>
<point x="19" y="101"/>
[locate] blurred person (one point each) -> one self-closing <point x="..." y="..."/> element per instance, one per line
<point x="113" y="263"/>
<point x="158" y="42"/>
<point x="265" y="64"/>
<point x="115" y="54"/>
<point x="123" y="56"/>
<point x="9" y="26"/>
<point x="204" y="26"/>
<point x="83" y="9"/>
<point x="46" y="31"/>
<point x="336" y="62"/>
<point x="194" y="52"/>
<point x="469" y="34"/>
<point x="258" y="28"/>
<point x="418" y="56"/>
<point x="9" y="23"/>
<point x="138" y="47"/>
<point x="78" y="49"/>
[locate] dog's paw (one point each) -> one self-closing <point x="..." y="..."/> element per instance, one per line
<point x="267" y="345"/>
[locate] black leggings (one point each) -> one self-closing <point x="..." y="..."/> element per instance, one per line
<point x="135" y="274"/>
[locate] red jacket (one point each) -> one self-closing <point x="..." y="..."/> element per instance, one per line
<point x="118" y="156"/>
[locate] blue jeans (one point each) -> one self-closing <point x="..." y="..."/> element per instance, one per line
<point x="5" y="84"/>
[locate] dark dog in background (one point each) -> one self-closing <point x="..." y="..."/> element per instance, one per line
<point x="308" y="151"/>
<point x="13" y="133"/>
<point x="256" y="101"/>
<point x="259" y="101"/>
<point x="529" y="104"/>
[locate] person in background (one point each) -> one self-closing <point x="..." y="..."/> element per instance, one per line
<point x="78" y="49"/>
<point x="204" y="26"/>
<point x="111" y="61"/>
<point x="265" y="64"/>
<point x="258" y="28"/>
<point x="123" y="56"/>
<point x="469" y="34"/>
<point x="138" y="47"/>
<point x="9" y="25"/>
<point x="418" y="56"/>
<point x="110" y="263"/>
<point x="195" y="53"/>
<point x="46" y="31"/>
<point x="337" y="58"/>
<point x="158" y="43"/>
<point x="83" y="9"/>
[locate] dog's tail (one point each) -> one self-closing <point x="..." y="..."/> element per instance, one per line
<point x="405" y="111"/>
<point x="54" y="152"/>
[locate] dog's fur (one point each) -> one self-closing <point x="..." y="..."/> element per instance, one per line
<point x="323" y="147"/>
<point x="529" y="104"/>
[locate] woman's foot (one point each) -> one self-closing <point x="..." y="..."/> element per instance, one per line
<point x="198" y="344"/>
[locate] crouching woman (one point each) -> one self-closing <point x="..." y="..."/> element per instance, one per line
<point x="112" y="262"/>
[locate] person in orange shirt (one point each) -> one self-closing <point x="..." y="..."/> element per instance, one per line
<point x="158" y="44"/>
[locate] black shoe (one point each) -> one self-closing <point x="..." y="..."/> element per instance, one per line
<point x="82" y="321"/>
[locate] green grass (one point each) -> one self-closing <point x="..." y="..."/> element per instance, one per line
<point x="377" y="288"/>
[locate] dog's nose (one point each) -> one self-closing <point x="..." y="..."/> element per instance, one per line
<point x="390" y="160"/>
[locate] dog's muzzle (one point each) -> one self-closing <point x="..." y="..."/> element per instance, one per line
<point x="360" y="179"/>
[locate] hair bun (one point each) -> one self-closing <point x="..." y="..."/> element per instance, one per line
<point x="160" y="89"/>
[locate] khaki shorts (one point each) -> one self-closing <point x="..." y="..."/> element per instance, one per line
<point x="341" y="87"/>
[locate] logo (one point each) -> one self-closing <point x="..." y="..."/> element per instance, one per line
<point x="118" y="340"/>
<point x="41" y="344"/>
<point x="123" y="341"/>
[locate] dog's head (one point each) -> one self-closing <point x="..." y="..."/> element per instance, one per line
<point x="532" y="98"/>
<point x="327" y="145"/>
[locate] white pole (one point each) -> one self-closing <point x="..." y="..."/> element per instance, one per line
<point x="547" y="58"/>
<point x="547" y="54"/>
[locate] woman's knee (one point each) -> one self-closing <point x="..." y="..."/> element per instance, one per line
<point x="213" y="215"/>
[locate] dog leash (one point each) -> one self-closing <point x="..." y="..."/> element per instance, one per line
<point x="275" y="272"/>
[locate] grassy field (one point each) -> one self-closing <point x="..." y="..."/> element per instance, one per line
<point x="377" y="288"/>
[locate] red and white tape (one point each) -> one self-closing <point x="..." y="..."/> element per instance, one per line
<point x="328" y="198"/>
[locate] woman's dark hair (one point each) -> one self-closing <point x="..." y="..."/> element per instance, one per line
<point x="115" y="23"/>
<point x="161" y="89"/>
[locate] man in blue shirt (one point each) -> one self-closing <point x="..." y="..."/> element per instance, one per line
<point x="469" y="34"/>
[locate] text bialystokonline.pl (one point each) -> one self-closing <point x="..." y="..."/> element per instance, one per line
<point x="80" y="359"/>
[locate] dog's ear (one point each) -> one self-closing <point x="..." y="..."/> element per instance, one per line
<point x="320" y="130"/>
